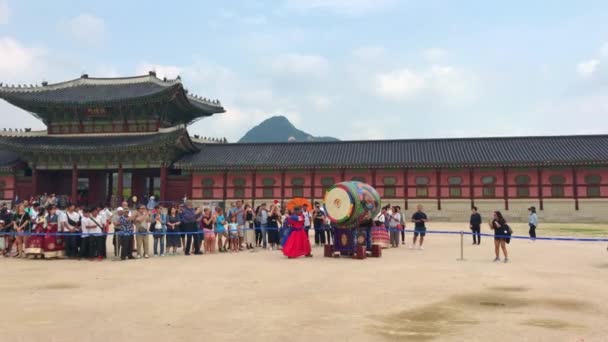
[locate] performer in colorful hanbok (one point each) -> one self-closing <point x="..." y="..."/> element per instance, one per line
<point x="379" y="232"/>
<point x="52" y="245"/>
<point x="33" y="245"/>
<point x="297" y="244"/>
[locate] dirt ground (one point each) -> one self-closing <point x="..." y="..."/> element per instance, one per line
<point x="550" y="291"/>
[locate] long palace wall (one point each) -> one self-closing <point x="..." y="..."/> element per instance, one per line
<point x="559" y="194"/>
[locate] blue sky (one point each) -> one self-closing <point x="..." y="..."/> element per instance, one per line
<point x="353" y="69"/>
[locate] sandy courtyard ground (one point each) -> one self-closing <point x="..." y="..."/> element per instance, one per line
<point x="550" y="291"/>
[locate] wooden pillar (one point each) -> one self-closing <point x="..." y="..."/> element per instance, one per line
<point x="373" y="182"/>
<point x="438" y="187"/>
<point x="575" y="187"/>
<point x="282" y="189"/>
<point x="505" y="187"/>
<point x="163" y="182"/>
<point x="225" y="190"/>
<point x="253" y="188"/>
<point x="74" y="194"/>
<point x="405" y="188"/>
<point x="472" y="186"/>
<point x="35" y="182"/>
<point x="120" y="185"/>
<point x="539" y="172"/>
<point x="151" y="186"/>
<point x="110" y="186"/>
<point x="312" y="186"/>
<point x="342" y="175"/>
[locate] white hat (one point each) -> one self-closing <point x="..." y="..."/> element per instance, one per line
<point x="119" y="209"/>
<point x="151" y="197"/>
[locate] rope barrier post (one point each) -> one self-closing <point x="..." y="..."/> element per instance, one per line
<point x="461" y="247"/>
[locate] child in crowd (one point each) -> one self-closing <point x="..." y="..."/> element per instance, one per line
<point x="209" y="236"/>
<point x="234" y="234"/>
<point x="220" y="230"/>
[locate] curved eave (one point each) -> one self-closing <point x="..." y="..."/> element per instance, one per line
<point x="194" y="106"/>
<point x="178" y="139"/>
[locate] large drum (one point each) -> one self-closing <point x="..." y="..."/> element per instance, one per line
<point x="348" y="203"/>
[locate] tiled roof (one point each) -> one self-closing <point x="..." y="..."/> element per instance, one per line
<point x="96" y="143"/>
<point x="457" y="152"/>
<point x="86" y="90"/>
<point x="8" y="159"/>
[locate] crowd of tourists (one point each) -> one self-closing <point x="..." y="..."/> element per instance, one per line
<point x="45" y="228"/>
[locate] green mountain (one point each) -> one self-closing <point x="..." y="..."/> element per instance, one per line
<point x="279" y="129"/>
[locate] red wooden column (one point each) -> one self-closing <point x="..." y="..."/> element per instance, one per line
<point x="405" y="188"/>
<point x="540" y="187"/>
<point x="163" y="182"/>
<point x="575" y="187"/>
<point x="472" y="186"/>
<point x="505" y="187"/>
<point x="312" y="186"/>
<point x="438" y="177"/>
<point x="35" y="181"/>
<point x="373" y="173"/>
<point x="120" y="185"/>
<point x="342" y="175"/>
<point x="282" y="188"/>
<point x="74" y="195"/>
<point x="253" y="188"/>
<point x="225" y="190"/>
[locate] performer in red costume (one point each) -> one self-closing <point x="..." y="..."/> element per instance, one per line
<point x="297" y="243"/>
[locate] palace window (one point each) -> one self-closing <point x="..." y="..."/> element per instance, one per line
<point x="593" y="185"/>
<point x="390" y="189"/>
<point x="489" y="186"/>
<point x="208" y="184"/>
<point x="239" y="187"/>
<point x="557" y="185"/>
<point x="422" y="186"/>
<point x="523" y="185"/>
<point x="327" y="182"/>
<point x="455" y="183"/>
<point x="297" y="187"/>
<point x="268" y="187"/>
<point x="358" y="179"/>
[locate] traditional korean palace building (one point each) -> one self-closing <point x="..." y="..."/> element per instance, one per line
<point x="109" y="138"/>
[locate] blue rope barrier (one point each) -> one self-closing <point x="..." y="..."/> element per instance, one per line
<point x="445" y="232"/>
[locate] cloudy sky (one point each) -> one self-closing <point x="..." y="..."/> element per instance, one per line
<point x="353" y="69"/>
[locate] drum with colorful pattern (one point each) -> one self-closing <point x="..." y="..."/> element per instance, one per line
<point x="349" y="203"/>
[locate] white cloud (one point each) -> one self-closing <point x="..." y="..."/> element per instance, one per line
<point x="447" y="82"/>
<point x="299" y="64"/>
<point x="434" y="54"/>
<point x="399" y="84"/>
<point x="369" y="53"/>
<point x="168" y="71"/>
<point x="5" y="12"/>
<point x="350" y="7"/>
<point x="19" y="61"/>
<point x="320" y="102"/>
<point x="87" y="29"/>
<point x="604" y="50"/>
<point x="367" y="130"/>
<point x="587" y="68"/>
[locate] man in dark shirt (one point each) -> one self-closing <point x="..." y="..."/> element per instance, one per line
<point x="419" y="218"/>
<point x="319" y="224"/>
<point x="189" y="218"/>
<point x="475" y="225"/>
